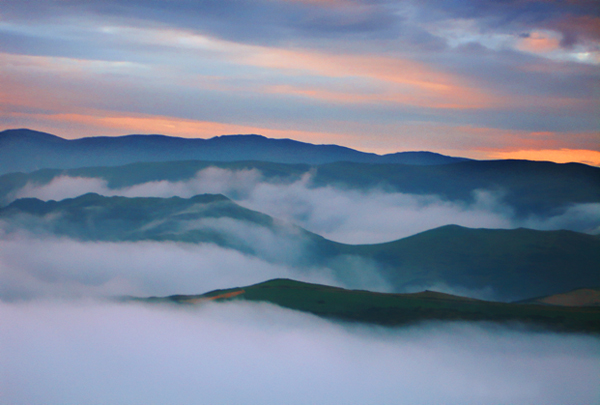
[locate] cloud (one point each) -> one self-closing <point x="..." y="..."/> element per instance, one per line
<point x="247" y="252"/>
<point x="580" y="217"/>
<point x="60" y="188"/>
<point x="248" y="21"/>
<point x="342" y="215"/>
<point x="375" y="216"/>
<point x="147" y="79"/>
<point x="67" y="268"/>
<point x="87" y="353"/>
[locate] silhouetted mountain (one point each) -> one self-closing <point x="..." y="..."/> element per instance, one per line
<point x="504" y="264"/>
<point x="395" y="309"/>
<point x="530" y="188"/>
<point x="24" y="150"/>
<point x="206" y="218"/>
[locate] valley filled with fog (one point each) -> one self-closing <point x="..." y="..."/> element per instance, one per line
<point x="281" y="202"/>
<point x="61" y="323"/>
<point x="84" y="352"/>
<point x="338" y="213"/>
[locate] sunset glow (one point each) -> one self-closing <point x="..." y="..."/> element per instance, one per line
<point x="589" y="157"/>
<point x="381" y="77"/>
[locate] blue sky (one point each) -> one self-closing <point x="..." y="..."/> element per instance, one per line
<point x="483" y="79"/>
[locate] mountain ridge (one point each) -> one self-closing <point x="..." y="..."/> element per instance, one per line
<point x="513" y="264"/>
<point x="528" y="187"/>
<point x="25" y="150"/>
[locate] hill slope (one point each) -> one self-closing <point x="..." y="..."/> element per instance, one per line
<point x="397" y="309"/>
<point x="206" y="218"/>
<point x="24" y="150"/>
<point x="503" y="264"/>
<point x="513" y="262"/>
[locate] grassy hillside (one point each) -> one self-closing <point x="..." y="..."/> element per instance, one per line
<point x="514" y="263"/>
<point x="500" y="264"/>
<point x="398" y="309"/>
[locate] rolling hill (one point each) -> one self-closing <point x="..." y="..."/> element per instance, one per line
<point x="396" y="309"/>
<point x="513" y="262"/>
<point x="503" y="264"/>
<point x="206" y="218"/>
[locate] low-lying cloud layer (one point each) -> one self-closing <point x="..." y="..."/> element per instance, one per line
<point x="343" y="215"/>
<point x="89" y="352"/>
<point x="67" y="268"/>
<point x="84" y="351"/>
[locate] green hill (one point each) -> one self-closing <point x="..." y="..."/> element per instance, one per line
<point x="501" y="264"/>
<point x="93" y="217"/>
<point x="397" y="309"/>
<point x="515" y="263"/>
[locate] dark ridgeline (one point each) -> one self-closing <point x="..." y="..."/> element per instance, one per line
<point x="513" y="264"/>
<point x="529" y="188"/>
<point x="24" y="150"/>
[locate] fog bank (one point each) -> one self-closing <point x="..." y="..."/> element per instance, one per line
<point x="33" y="267"/>
<point x="88" y="353"/>
<point x="343" y="215"/>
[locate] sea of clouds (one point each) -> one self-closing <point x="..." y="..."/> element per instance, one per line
<point x="94" y="352"/>
<point x="64" y="342"/>
<point x="40" y="264"/>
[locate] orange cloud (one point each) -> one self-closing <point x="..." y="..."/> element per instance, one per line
<point x="406" y="82"/>
<point x="539" y="42"/>
<point x="347" y="97"/>
<point x="60" y="87"/>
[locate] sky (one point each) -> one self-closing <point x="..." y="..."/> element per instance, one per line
<point x="480" y="79"/>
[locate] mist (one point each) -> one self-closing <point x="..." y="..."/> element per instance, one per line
<point x="63" y="342"/>
<point x="90" y="352"/>
<point x="66" y="268"/>
<point x="342" y="215"/>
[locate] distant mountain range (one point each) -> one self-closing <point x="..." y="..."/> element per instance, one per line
<point x="530" y="188"/>
<point x="24" y="150"/>
<point x="515" y="264"/>
<point x="512" y="264"/>
<point x="396" y="309"/>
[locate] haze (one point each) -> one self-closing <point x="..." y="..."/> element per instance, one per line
<point x="342" y="215"/>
